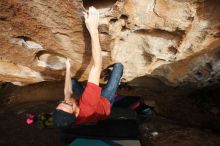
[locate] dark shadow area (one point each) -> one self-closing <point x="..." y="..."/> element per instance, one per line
<point x="13" y="126"/>
<point x="44" y="91"/>
<point x="208" y="10"/>
<point x="15" y="131"/>
<point x="177" y="35"/>
<point x="208" y="103"/>
<point x="120" y="125"/>
<point x="111" y="129"/>
<point x="150" y="83"/>
<point x="25" y="38"/>
<point x="99" y="4"/>
<point x="182" y="112"/>
<point x="188" y="105"/>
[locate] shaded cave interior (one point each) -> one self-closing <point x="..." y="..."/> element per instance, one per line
<point x="187" y="105"/>
<point x="99" y="4"/>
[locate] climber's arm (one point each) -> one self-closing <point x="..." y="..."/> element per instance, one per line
<point x="68" y="84"/>
<point x="91" y="21"/>
<point x="95" y="72"/>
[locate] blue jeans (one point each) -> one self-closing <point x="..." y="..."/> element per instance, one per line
<point x="109" y="90"/>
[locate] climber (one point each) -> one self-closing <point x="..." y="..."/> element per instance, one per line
<point x="94" y="103"/>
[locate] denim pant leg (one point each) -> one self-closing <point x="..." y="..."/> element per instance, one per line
<point x="77" y="88"/>
<point x="110" y="89"/>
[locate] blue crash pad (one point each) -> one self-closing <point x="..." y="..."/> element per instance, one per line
<point x="92" y="142"/>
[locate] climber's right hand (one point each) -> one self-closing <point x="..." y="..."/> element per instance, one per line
<point x="67" y="63"/>
<point x="92" y="20"/>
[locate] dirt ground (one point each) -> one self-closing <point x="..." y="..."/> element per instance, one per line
<point x="16" y="102"/>
<point x="158" y="131"/>
<point x="15" y="131"/>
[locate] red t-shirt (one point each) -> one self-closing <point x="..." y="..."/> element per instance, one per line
<point x="93" y="107"/>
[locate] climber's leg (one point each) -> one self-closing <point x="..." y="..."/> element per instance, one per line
<point x="110" y="89"/>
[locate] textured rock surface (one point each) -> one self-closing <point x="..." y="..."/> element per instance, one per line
<point x="176" y="41"/>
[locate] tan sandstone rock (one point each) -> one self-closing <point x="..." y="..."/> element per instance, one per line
<point x="176" y="41"/>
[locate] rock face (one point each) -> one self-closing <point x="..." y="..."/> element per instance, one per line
<point x="175" y="41"/>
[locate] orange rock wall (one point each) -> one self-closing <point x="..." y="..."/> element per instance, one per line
<point x="175" y="41"/>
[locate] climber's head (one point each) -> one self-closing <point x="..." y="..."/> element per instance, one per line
<point x="65" y="113"/>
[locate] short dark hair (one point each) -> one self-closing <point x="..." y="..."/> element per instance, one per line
<point x="62" y="119"/>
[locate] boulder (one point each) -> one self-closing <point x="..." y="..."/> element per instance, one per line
<point x="174" y="41"/>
